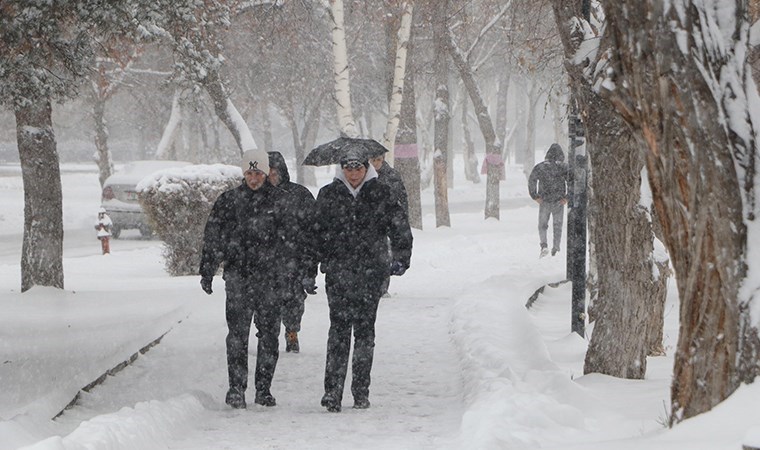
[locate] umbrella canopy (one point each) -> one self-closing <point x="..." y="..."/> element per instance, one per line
<point x="331" y="152"/>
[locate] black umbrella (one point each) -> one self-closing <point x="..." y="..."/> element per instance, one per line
<point x="331" y="152"/>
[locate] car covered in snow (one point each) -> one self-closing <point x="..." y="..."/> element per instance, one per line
<point x="119" y="196"/>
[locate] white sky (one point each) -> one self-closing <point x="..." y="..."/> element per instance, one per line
<point x="459" y="361"/>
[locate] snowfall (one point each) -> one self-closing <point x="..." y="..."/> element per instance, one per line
<point x="460" y="361"/>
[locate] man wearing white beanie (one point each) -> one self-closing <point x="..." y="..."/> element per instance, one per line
<point x="244" y="235"/>
<point x="255" y="159"/>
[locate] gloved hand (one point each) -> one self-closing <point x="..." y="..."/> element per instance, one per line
<point x="309" y="285"/>
<point x="398" y="268"/>
<point x="206" y="284"/>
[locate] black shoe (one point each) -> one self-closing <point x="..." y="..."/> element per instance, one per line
<point x="291" y="342"/>
<point x="264" y="399"/>
<point x="361" y="403"/>
<point x="330" y="402"/>
<point x="235" y="398"/>
<point x="554" y="251"/>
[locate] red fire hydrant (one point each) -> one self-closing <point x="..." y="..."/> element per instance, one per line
<point x="103" y="227"/>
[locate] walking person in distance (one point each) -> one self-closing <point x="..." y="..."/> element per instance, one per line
<point x="547" y="185"/>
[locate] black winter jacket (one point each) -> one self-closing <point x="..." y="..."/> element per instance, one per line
<point x="389" y="176"/>
<point x="300" y="208"/>
<point x="353" y="233"/>
<point x="245" y="233"/>
<point x="548" y="179"/>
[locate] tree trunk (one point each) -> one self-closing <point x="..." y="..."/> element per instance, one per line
<point x="303" y="138"/>
<point x="308" y="140"/>
<point x="656" y="321"/>
<point x="690" y="109"/>
<point x="560" y="132"/>
<point x="340" y="71"/>
<point x="104" y="160"/>
<point x="471" y="172"/>
<point x="502" y="98"/>
<point x="397" y="89"/>
<point x="494" y="163"/>
<point x="172" y="127"/>
<point x="227" y="112"/>
<point x="441" y="111"/>
<point x="623" y="247"/>
<point x="407" y="157"/>
<point x="42" y="248"/>
<point x="530" y="130"/>
<point x="266" y="126"/>
<point x="520" y="146"/>
<point x="626" y="292"/>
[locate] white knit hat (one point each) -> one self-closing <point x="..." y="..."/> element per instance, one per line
<point x="255" y="159"/>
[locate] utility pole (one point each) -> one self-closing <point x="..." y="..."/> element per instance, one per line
<point x="576" y="220"/>
<point x="576" y="208"/>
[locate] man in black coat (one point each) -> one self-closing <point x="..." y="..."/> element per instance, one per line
<point x="390" y="177"/>
<point x="244" y="233"/>
<point x="547" y="185"/>
<point x="355" y="220"/>
<point x="299" y="272"/>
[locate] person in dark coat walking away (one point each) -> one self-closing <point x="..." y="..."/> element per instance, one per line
<point x="547" y="185"/>
<point x="244" y="235"/>
<point x="300" y="270"/>
<point x="355" y="220"/>
<point x="390" y="176"/>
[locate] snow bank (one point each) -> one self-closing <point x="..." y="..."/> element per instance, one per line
<point x="148" y="425"/>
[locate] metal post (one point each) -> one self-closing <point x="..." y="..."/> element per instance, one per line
<point x="576" y="222"/>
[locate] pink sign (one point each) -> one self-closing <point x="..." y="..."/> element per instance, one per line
<point x="405" y="151"/>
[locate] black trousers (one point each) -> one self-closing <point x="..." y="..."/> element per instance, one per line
<point x="353" y="307"/>
<point x="248" y="300"/>
<point x="292" y="298"/>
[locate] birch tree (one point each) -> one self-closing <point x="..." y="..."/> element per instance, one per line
<point x="406" y="160"/>
<point x="678" y="76"/>
<point x="340" y="71"/>
<point x="394" y="105"/>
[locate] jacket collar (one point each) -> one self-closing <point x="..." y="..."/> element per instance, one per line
<point x="371" y="173"/>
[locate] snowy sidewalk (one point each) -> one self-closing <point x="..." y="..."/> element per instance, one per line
<point x="460" y="362"/>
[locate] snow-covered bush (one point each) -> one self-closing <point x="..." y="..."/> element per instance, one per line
<point x="178" y="202"/>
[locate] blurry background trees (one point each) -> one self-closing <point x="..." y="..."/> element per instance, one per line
<point x="274" y="60"/>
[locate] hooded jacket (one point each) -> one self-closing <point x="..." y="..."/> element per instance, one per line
<point x="548" y="179"/>
<point x="388" y="175"/>
<point x="299" y="207"/>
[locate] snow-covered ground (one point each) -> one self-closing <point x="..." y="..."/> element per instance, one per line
<point x="460" y="362"/>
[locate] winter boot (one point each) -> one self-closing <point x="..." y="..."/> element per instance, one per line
<point x="544" y="251"/>
<point x="330" y="401"/>
<point x="264" y="398"/>
<point x="236" y="398"/>
<point x="555" y="250"/>
<point x="361" y="403"/>
<point x="291" y="342"/>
